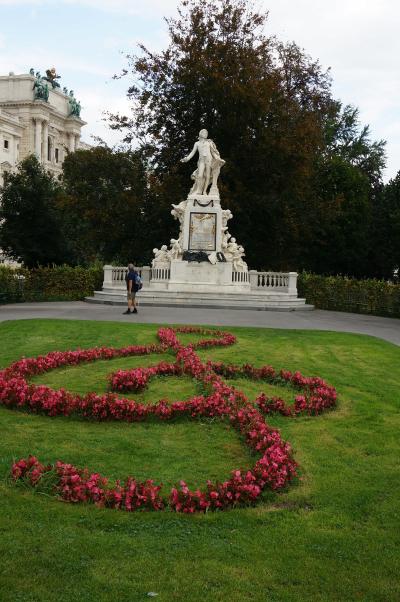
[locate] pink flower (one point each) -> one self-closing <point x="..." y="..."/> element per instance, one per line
<point x="275" y="466"/>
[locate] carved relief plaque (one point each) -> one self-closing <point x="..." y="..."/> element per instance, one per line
<point x="202" y="231"/>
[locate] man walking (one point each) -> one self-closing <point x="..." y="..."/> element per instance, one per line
<point x="131" y="285"/>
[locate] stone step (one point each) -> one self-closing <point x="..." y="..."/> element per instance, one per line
<point x="262" y="302"/>
<point x="262" y="295"/>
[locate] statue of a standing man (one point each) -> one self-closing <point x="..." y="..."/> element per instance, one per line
<point x="208" y="165"/>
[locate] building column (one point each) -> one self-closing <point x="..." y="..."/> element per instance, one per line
<point x="38" y="138"/>
<point x="51" y="149"/>
<point x="14" y="142"/>
<point x="77" y="141"/>
<point x="45" y="141"/>
<point x="71" y="142"/>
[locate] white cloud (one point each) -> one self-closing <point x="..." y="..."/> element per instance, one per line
<point x="127" y="7"/>
<point x="359" y="40"/>
<point x="95" y="102"/>
<point x="18" y="3"/>
<point x="130" y="7"/>
<point x="38" y="57"/>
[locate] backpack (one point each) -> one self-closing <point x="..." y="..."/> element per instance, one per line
<point x="138" y="283"/>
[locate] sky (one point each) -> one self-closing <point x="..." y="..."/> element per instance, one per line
<point x="87" y="41"/>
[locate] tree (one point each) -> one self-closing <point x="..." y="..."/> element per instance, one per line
<point x="270" y="108"/>
<point x="103" y="204"/>
<point x="347" y="139"/>
<point x="385" y="234"/>
<point x="31" y="229"/>
<point x="341" y="233"/>
<point x="392" y="202"/>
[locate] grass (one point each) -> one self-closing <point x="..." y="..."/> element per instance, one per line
<point x="333" y="536"/>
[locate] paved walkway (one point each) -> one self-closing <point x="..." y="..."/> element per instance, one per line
<point x="384" y="328"/>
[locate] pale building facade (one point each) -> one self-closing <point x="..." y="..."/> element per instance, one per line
<point x="48" y="126"/>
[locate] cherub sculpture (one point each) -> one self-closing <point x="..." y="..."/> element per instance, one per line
<point x="226" y="215"/>
<point x="238" y="264"/>
<point x="225" y="237"/>
<point x="234" y="253"/>
<point x="178" y="211"/>
<point x="161" y="256"/>
<point x="176" y="249"/>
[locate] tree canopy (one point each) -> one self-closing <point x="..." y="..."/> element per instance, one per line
<point x="298" y="164"/>
<point x="30" y="226"/>
<point x="102" y="204"/>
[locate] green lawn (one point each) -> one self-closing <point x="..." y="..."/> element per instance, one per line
<point x="333" y="535"/>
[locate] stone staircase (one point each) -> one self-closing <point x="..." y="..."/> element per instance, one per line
<point x="263" y="291"/>
<point x="252" y="300"/>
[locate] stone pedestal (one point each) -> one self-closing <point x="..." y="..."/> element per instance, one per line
<point x="202" y="225"/>
<point x="201" y="260"/>
<point x="189" y="276"/>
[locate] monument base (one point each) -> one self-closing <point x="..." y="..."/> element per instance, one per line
<point x="204" y="277"/>
<point x="263" y="291"/>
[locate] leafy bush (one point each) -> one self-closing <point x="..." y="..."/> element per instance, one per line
<point x="339" y="293"/>
<point x="10" y="285"/>
<point x="59" y="283"/>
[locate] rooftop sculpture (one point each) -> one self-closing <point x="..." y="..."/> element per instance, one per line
<point x="41" y="89"/>
<point x="74" y="105"/>
<point x="52" y="77"/>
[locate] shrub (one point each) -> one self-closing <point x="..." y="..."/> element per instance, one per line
<point x="59" y="283"/>
<point x="10" y="285"/>
<point x="340" y="293"/>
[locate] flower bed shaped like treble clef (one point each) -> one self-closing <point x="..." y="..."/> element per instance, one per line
<point x="275" y="467"/>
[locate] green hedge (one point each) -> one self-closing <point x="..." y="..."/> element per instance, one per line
<point x="10" y="286"/>
<point x="65" y="283"/>
<point x="338" y="293"/>
<point x="60" y="283"/>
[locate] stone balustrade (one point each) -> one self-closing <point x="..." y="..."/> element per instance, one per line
<point x="114" y="276"/>
<point x="279" y="281"/>
<point x="240" y="277"/>
<point x="285" y="282"/>
<point x="160" y="274"/>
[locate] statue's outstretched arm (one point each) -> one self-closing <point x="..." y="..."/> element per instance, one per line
<point x="185" y="159"/>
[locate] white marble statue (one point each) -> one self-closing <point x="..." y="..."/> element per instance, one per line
<point x="208" y="165"/>
<point x="234" y="253"/>
<point x="176" y="249"/>
<point x="178" y="211"/>
<point x="230" y="249"/>
<point x="238" y="264"/>
<point x="226" y="216"/>
<point x="161" y="256"/>
<point x="225" y="237"/>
